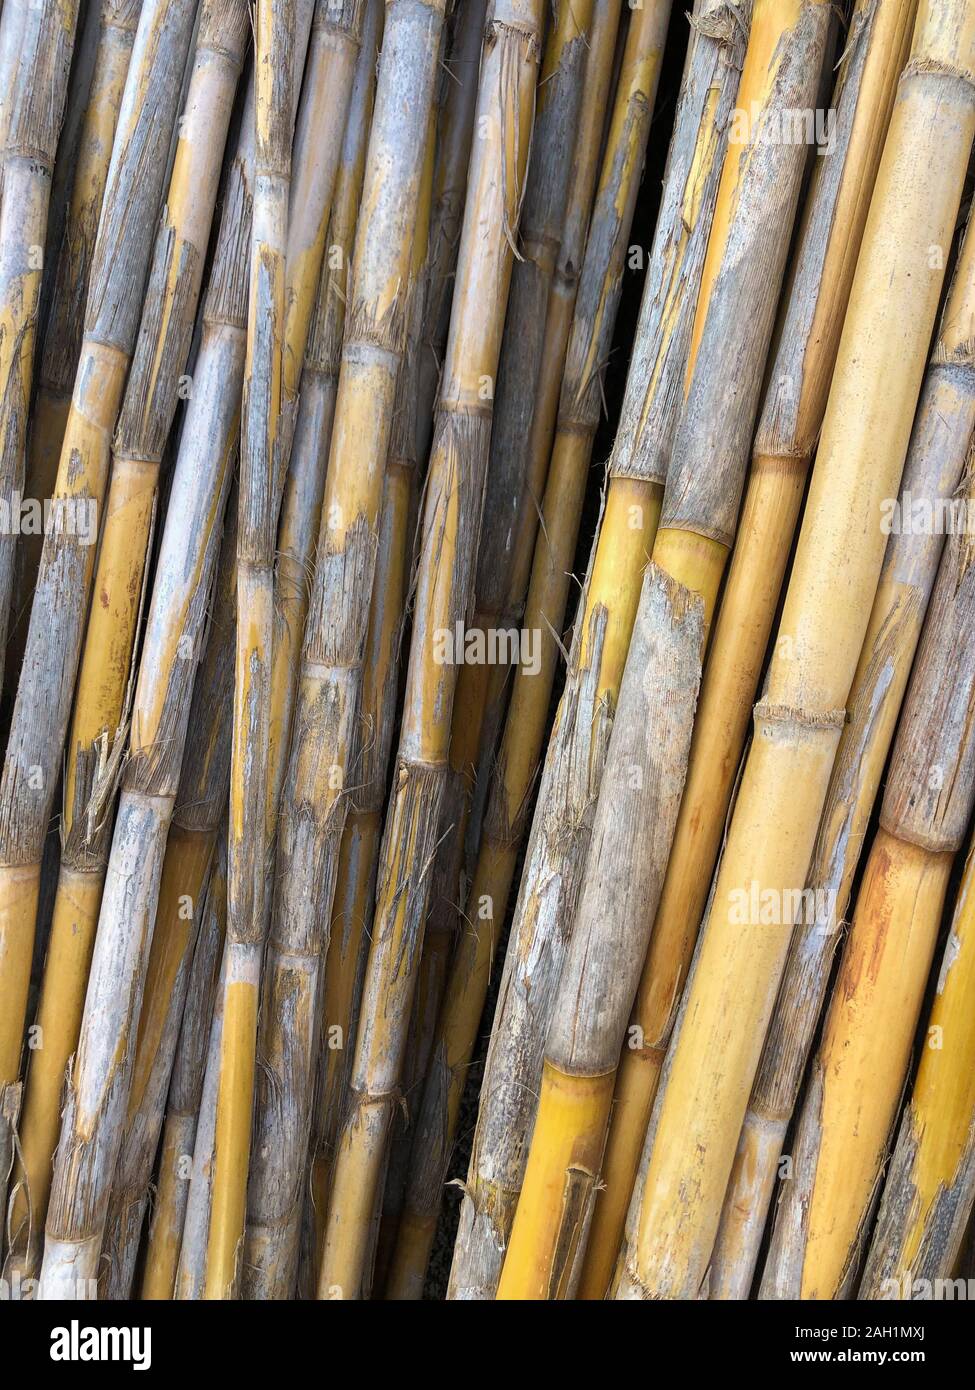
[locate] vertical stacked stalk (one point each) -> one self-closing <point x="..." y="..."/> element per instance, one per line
<point x="342" y="48"/>
<point x="200" y="809"/>
<point x="515" y="479"/>
<point x="857" y="1079"/>
<point x="11" y="32"/>
<point x="275" y="1191"/>
<point x="191" y="1266"/>
<point x="182" y="1109"/>
<point x="865" y="435"/>
<point x="98" y="732"/>
<point x="377" y="723"/>
<point x="327" y="702"/>
<point x="36" y="111"/>
<point x="454" y="497"/>
<point x="333" y="54"/>
<point x="814" y="302"/>
<point x="39" y="42"/>
<point x="515" y="476"/>
<point x="65" y="318"/>
<point x="591" y="326"/>
<point x="455" y="130"/>
<point x="302" y="503"/>
<point x="647" y="758"/>
<point x="573" y="766"/>
<point x="260" y="421"/>
<point x="161" y="706"/>
<point x="938" y="451"/>
<point x="930" y="1182"/>
<point x="46" y="685"/>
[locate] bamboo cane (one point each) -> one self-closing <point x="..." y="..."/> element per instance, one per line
<point x="648" y="751"/>
<point x="454" y="495"/>
<point x="191" y="1267"/>
<point x="797" y="725"/>
<point x="626" y="533"/>
<point x="99" y="723"/>
<point x="930" y="1183"/>
<point x="302" y="503"/>
<point x="89" y="36"/>
<point x="939" y="447"/>
<point x="102" y="1072"/>
<point x="377" y="724"/>
<point x="64" y="584"/>
<point x="165" y="1235"/>
<point x="65" y="319"/>
<point x="44" y="41"/>
<point x="591" y="325"/>
<point x="359" y="855"/>
<point x="515" y="478"/>
<point x="175" y="625"/>
<point x="543" y="417"/>
<point x="807" y="337"/>
<point x="288" y="1141"/>
<point x="36" y="109"/>
<point x="857" y="1078"/>
<point x="172" y="645"/>
<point x="455" y="130"/>
<point x="11" y="35"/>
<point x="332" y="61"/>
<point x="260" y="425"/>
<point x="312" y="810"/>
<point x="319" y="340"/>
<point x="201" y="804"/>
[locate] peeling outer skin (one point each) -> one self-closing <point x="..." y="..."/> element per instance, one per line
<point x="641" y="785"/>
<point x="930" y="1181"/>
<point x="532" y="966"/>
<point x="10" y="1096"/>
<point x="514" y="477"/>
<point x="35" y="114"/>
